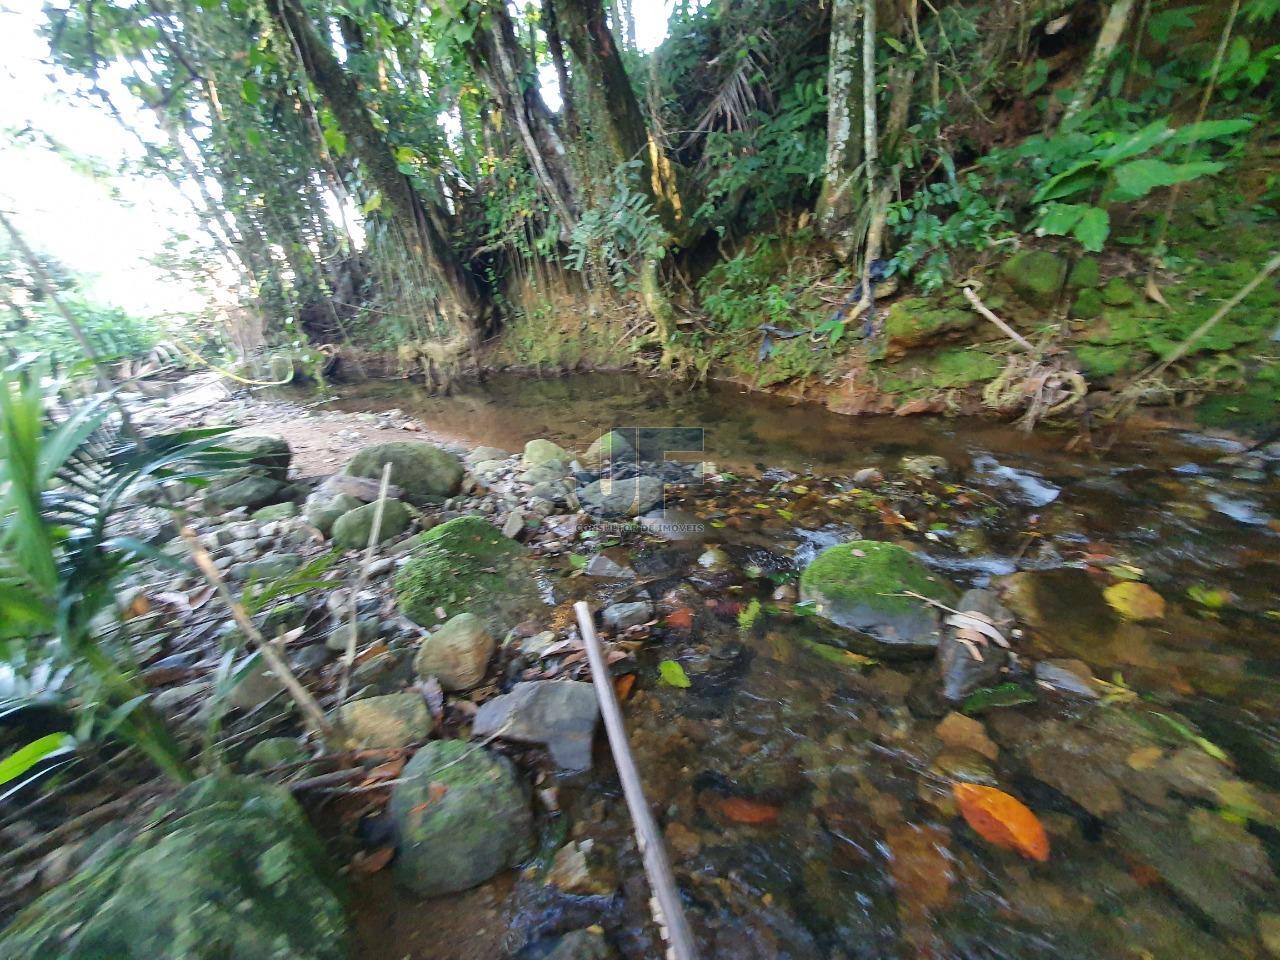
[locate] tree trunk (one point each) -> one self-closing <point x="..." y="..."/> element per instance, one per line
<point x="504" y="66"/>
<point x="556" y="47"/>
<point x="841" y="198"/>
<point x="614" y="105"/>
<point x="459" y="302"/>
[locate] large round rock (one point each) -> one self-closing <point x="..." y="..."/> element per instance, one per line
<point x="423" y="471"/>
<point x="462" y="816"/>
<point x="862" y="586"/>
<point x="466" y="565"/>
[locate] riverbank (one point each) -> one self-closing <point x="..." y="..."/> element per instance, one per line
<point x="802" y="743"/>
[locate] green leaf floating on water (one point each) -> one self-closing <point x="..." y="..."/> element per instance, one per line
<point x="844" y="658"/>
<point x="673" y="674"/>
<point x="1005" y="695"/>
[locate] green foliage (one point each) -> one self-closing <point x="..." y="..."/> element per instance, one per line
<point x="61" y="483"/>
<point x="1101" y="158"/>
<point x="612" y="239"/>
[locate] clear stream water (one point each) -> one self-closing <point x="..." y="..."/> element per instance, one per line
<point x="1162" y="803"/>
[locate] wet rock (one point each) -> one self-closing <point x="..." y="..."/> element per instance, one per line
<point x="857" y="586"/>
<point x="422" y="470"/>
<point x="351" y="530"/>
<point x="1064" y="607"/>
<point x="868" y="475"/>
<point x="619" y="616"/>
<point x="558" y="714"/>
<point x="962" y="672"/>
<point x="582" y="945"/>
<point x="228" y="868"/>
<point x="466" y="564"/>
<point x="927" y="467"/>
<point x="611" y="448"/>
<point x="958" y="731"/>
<point x="1269" y="933"/>
<point x="387" y="722"/>
<point x="1067" y="676"/>
<point x="577" y="869"/>
<point x="462" y="816"/>
<point x="456" y="654"/>
<point x="678" y="526"/>
<point x="1205" y="877"/>
<point x="538" y="452"/>
<point x="715" y="560"/>
<point x="612" y="564"/>
<point x="623" y="498"/>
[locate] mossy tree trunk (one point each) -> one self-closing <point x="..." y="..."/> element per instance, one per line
<point x="459" y="302"/>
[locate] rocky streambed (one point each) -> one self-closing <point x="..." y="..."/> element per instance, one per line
<point x="941" y="699"/>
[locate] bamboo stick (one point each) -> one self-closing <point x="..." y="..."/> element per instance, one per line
<point x="668" y="910"/>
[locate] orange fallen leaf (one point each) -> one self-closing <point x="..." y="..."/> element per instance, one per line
<point x="680" y="618"/>
<point x="622" y="686"/>
<point x="373" y="860"/>
<point x="140" y="606"/>
<point x="1002" y="819"/>
<point x="742" y="810"/>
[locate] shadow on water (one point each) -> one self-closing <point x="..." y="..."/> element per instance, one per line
<point x="808" y="804"/>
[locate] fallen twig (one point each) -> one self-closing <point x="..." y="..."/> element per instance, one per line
<point x="362" y="577"/>
<point x="976" y="302"/>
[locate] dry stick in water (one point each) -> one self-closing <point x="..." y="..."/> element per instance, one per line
<point x="318" y="722"/>
<point x="977" y="304"/>
<point x="668" y="911"/>
<point x="362" y="577"/>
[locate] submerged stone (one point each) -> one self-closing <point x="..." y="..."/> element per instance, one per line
<point x="623" y="498"/>
<point x="462" y="816"/>
<point x="558" y="714"/>
<point x="860" y="586"/>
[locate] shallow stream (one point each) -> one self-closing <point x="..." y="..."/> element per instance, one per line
<point x="808" y="803"/>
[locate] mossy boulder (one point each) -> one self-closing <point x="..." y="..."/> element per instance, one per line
<point x="351" y="530"/>
<point x="1118" y="293"/>
<point x="916" y="321"/>
<point x="386" y="722"/>
<point x="322" y="509"/>
<point x="465" y="565"/>
<point x="244" y="489"/>
<point x="1086" y="273"/>
<point x="228" y="868"/>
<point x="1088" y="305"/>
<point x="859" y="586"/>
<point x="538" y="452"/>
<point x="462" y="815"/>
<point x="277" y="511"/>
<point x="1036" y="276"/>
<point x="422" y="470"/>
<point x="610" y="448"/>
<point x="456" y="654"/>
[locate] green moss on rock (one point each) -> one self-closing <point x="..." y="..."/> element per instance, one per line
<point x="1118" y="293"/>
<point x="351" y="530"/>
<point x="916" y="321"/>
<point x="1036" y="276"/>
<point x="1086" y="273"/>
<point x="228" y="868"/>
<point x="467" y="565"/>
<point x="861" y="585"/>
<point x="1088" y="305"/>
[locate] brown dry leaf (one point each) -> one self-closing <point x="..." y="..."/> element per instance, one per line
<point x="377" y="648"/>
<point x="680" y="618"/>
<point x="371" y="861"/>
<point x="201" y="597"/>
<point x="140" y="606"/>
<point x="1153" y="293"/>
